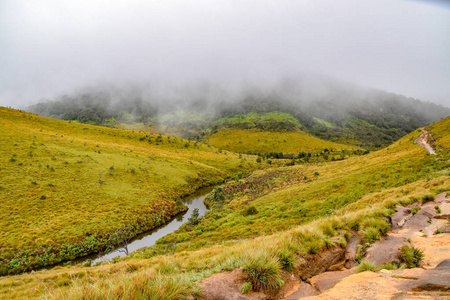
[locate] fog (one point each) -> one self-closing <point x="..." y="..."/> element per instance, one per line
<point x="51" y="48"/>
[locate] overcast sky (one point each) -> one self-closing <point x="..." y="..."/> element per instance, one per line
<point x="53" y="47"/>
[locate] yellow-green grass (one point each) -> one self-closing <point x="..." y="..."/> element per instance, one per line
<point x="63" y="181"/>
<point x="110" y="280"/>
<point x="396" y="184"/>
<point x="239" y="140"/>
<point x="290" y="196"/>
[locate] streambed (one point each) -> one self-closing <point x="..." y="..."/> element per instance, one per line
<point x="149" y="238"/>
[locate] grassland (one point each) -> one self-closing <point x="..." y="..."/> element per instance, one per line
<point x="298" y="211"/>
<point x="256" y="141"/>
<point x="289" y="196"/>
<point x="66" y="186"/>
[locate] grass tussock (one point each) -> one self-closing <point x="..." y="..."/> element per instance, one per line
<point x="263" y="271"/>
<point x="411" y="256"/>
<point x="366" y="265"/>
<point x="135" y="286"/>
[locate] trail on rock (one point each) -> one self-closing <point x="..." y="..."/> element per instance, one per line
<point x="422" y="141"/>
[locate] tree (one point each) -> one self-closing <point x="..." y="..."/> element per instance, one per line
<point x="120" y="238"/>
<point x="193" y="219"/>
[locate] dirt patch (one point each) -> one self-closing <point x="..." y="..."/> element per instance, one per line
<point x="226" y="286"/>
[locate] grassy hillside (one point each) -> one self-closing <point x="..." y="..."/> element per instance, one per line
<point x="297" y="211"/>
<point x="65" y="186"/>
<point x="289" y="196"/>
<point x="255" y="141"/>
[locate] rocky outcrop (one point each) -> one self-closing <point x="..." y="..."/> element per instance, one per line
<point x="398" y="284"/>
<point x="322" y="276"/>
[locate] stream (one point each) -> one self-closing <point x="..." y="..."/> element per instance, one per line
<point x="149" y="238"/>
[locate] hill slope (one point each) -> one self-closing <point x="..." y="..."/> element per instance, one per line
<point x="71" y="185"/>
<point x="256" y="141"/>
<point x="327" y="108"/>
<point x="329" y="201"/>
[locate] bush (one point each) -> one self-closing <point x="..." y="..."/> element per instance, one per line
<point x="437" y="209"/>
<point x="415" y="210"/>
<point x="263" y="272"/>
<point x="193" y="219"/>
<point x="367" y="266"/>
<point x="411" y="256"/>
<point x="246" y="287"/>
<point x="427" y="198"/>
<point x="251" y="210"/>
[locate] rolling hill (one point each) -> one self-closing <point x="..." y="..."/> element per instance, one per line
<point x="66" y="186"/>
<point x="270" y="219"/>
<point x="326" y="108"/>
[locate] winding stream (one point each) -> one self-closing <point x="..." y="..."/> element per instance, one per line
<point x="149" y="238"/>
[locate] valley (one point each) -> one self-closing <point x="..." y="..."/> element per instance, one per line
<point x="261" y="215"/>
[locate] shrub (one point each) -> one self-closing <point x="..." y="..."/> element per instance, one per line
<point x="251" y="210"/>
<point x="427" y="198"/>
<point x="193" y="219"/>
<point x="437" y="209"/>
<point x="263" y="271"/>
<point x="366" y="265"/>
<point x="415" y="210"/>
<point x="411" y="256"/>
<point x="246" y="287"/>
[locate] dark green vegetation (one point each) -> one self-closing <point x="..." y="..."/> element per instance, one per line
<point x="328" y="109"/>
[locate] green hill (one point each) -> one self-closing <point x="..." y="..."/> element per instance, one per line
<point x="66" y="186"/>
<point x="255" y="141"/>
<point x="267" y="220"/>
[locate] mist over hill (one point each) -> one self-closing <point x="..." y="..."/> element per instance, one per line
<point x="327" y="108"/>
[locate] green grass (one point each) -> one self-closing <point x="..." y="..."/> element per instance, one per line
<point x="263" y="271"/>
<point x="411" y="256"/>
<point x="65" y="184"/>
<point x="274" y="121"/>
<point x="366" y="265"/>
<point x="255" y="141"/>
<point x="297" y="213"/>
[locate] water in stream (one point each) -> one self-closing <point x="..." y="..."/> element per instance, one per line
<point x="149" y="238"/>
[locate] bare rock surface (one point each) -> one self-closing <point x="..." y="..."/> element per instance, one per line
<point x="430" y="282"/>
<point x="327" y="280"/>
<point x="303" y="290"/>
<point x="436" y="248"/>
<point x="398" y="284"/>
<point x="388" y="249"/>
